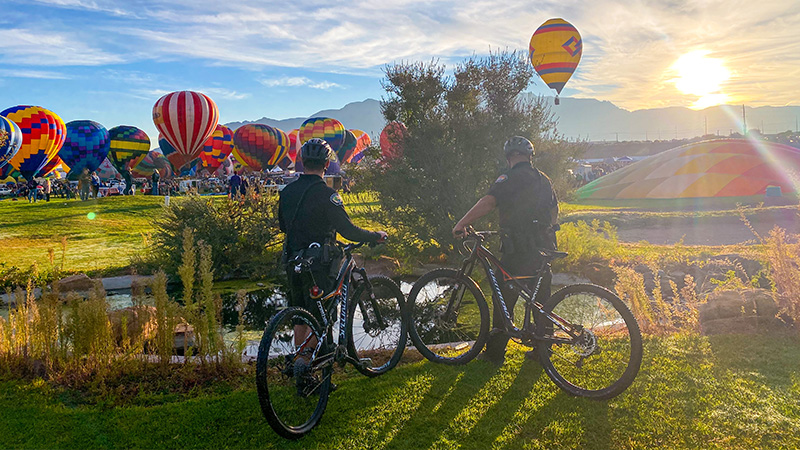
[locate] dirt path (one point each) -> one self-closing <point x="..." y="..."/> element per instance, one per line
<point x="710" y="231"/>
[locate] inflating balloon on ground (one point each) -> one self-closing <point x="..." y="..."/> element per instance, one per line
<point x="259" y="146"/>
<point x="129" y="146"/>
<point x="392" y="138"/>
<point x="217" y="148"/>
<point x="10" y="140"/>
<point x="323" y="128"/>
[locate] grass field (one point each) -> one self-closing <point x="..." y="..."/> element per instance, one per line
<point x="101" y="234"/>
<point x="725" y="392"/>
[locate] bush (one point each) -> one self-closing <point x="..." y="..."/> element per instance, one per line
<point x="241" y="234"/>
<point x="453" y="149"/>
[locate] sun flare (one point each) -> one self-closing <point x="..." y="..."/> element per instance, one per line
<point x="701" y="76"/>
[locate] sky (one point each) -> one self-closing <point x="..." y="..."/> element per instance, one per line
<point x="110" y="60"/>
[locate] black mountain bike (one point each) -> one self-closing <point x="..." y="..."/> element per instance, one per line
<point x="587" y="340"/>
<point x="372" y="336"/>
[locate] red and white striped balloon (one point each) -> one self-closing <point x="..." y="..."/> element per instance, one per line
<point x="186" y="119"/>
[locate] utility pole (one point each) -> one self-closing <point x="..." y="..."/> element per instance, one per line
<point x="705" y="125"/>
<point x="744" y="122"/>
<point x="617" y="133"/>
<point x="676" y="132"/>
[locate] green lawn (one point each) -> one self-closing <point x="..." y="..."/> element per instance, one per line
<point x="101" y="234"/>
<point x="726" y="392"/>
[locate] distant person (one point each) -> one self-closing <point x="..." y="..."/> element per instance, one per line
<point x="155" y="179"/>
<point x="47" y="189"/>
<point x="84" y="183"/>
<point x="95" y="181"/>
<point x="32" y="185"/>
<point x="245" y="184"/>
<point x="235" y="184"/>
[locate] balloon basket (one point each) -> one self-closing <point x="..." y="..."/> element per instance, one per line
<point x="558" y="101"/>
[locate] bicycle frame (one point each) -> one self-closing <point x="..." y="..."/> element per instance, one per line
<point x="339" y="297"/>
<point x="489" y="261"/>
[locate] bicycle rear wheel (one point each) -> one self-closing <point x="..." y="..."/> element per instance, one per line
<point x="376" y="331"/>
<point x="605" y="358"/>
<point x="449" y="317"/>
<point x="293" y="395"/>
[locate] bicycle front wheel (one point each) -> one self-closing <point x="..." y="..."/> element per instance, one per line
<point x="376" y="331"/>
<point x="292" y="392"/>
<point x="604" y="358"/>
<point x="449" y="317"/>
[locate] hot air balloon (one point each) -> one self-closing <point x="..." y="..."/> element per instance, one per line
<point x="129" y="146"/>
<point x="153" y="160"/>
<point x="51" y="166"/>
<point x="715" y="168"/>
<point x="324" y="128"/>
<point x="86" y="146"/>
<point x="260" y="146"/>
<point x="347" y="147"/>
<point x="7" y="170"/>
<point x="43" y="133"/>
<point x="106" y="171"/>
<point x="392" y="137"/>
<point x="294" y="144"/>
<point x="555" y="52"/>
<point x="186" y="119"/>
<point x="363" y="141"/>
<point x="10" y="140"/>
<point x="217" y="148"/>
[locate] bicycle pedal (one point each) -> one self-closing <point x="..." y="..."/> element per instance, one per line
<point x="365" y="361"/>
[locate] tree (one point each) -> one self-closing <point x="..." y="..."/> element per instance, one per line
<point x="453" y="150"/>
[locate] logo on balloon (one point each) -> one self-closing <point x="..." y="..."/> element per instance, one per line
<point x="3" y="137"/>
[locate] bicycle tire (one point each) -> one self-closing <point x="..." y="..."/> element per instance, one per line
<point x="607" y="336"/>
<point x="274" y="383"/>
<point x="429" y="332"/>
<point x="391" y="333"/>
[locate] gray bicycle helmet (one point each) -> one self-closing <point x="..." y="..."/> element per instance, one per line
<point x="316" y="148"/>
<point x="518" y="145"/>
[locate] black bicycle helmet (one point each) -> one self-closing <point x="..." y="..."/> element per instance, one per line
<point x="316" y="148"/>
<point x="518" y="145"/>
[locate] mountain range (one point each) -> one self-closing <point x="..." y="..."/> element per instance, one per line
<point x="595" y="120"/>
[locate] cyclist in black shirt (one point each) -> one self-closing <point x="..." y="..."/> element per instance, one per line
<point x="311" y="213"/>
<point x="528" y="212"/>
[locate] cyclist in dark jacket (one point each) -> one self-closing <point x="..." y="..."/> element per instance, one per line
<point x="311" y="213"/>
<point x="528" y="212"/>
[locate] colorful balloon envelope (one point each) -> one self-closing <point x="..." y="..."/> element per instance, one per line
<point x="294" y="144"/>
<point x="716" y="168"/>
<point x="10" y="140"/>
<point x="43" y="133"/>
<point x="8" y="170"/>
<point x="555" y="51"/>
<point x="392" y="138"/>
<point x="217" y="148"/>
<point x="129" y="146"/>
<point x="363" y="141"/>
<point x="153" y="160"/>
<point x="260" y="146"/>
<point x="86" y="146"/>
<point x="51" y="166"/>
<point x="186" y="119"/>
<point x="106" y="171"/>
<point x="347" y="147"/>
<point x="324" y="128"/>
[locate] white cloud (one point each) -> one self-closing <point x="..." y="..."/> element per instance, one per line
<point x="298" y="82"/>
<point x="38" y="74"/>
<point x="213" y="92"/>
<point x="628" y="47"/>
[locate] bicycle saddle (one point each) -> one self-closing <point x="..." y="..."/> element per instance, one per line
<point x="552" y="254"/>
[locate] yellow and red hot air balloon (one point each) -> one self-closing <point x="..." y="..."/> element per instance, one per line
<point x="555" y="51"/>
<point x="218" y="147"/>
<point x="186" y="119"/>
<point x="43" y="134"/>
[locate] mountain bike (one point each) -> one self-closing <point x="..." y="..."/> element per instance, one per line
<point x="371" y="336"/>
<point x="586" y="338"/>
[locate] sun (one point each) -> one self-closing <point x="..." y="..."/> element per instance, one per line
<point x="701" y="76"/>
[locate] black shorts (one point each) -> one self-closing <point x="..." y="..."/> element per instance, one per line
<point x="300" y="284"/>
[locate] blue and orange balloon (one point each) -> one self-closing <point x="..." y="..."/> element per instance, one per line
<point x="86" y="146"/>
<point x="555" y="51"/>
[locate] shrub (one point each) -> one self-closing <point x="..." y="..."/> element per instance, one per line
<point x="241" y="234"/>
